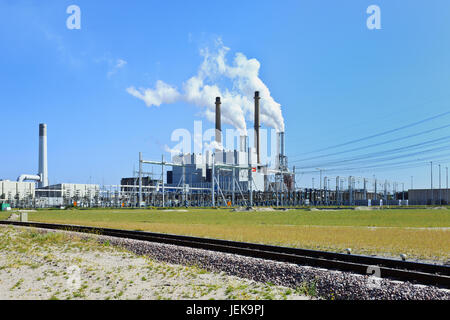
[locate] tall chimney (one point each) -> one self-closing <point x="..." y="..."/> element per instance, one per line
<point x="257" y="125"/>
<point x="43" y="172"/>
<point x="243" y="144"/>
<point x="218" y="122"/>
<point x="278" y="164"/>
<point x="282" y="149"/>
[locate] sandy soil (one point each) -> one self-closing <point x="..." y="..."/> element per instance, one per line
<point x="55" y="265"/>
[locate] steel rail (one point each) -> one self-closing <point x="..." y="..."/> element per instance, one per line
<point x="415" y="272"/>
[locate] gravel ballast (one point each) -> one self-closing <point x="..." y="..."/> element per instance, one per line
<point x="326" y="284"/>
<point x="319" y="282"/>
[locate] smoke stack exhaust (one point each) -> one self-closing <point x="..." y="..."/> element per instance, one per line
<point x="218" y="122"/>
<point x="43" y="171"/>
<point x="257" y="125"/>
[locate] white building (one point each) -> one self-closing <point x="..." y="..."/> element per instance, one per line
<point x="68" y="193"/>
<point x="12" y="190"/>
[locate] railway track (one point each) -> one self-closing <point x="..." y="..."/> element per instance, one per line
<point x="414" y="272"/>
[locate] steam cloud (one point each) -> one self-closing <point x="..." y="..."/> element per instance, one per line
<point x="202" y="89"/>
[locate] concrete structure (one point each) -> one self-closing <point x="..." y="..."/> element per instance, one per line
<point x="43" y="168"/>
<point x="429" y="197"/>
<point x="257" y="126"/>
<point x="16" y="191"/>
<point x="68" y="193"/>
<point x="129" y="184"/>
<point x="42" y="176"/>
<point x="228" y="176"/>
<point x="195" y="170"/>
<point x="218" y="122"/>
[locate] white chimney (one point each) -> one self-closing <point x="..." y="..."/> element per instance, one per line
<point x="43" y="172"/>
<point x="243" y="144"/>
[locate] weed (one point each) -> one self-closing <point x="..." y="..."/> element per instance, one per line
<point x="17" y="285"/>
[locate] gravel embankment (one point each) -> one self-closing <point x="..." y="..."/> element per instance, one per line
<point x="323" y="283"/>
<point x="327" y="284"/>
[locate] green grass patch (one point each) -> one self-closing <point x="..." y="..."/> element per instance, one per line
<point x="144" y="217"/>
<point x="420" y="233"/>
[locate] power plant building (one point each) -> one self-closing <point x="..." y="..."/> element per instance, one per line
<point x="13" y="190"/>
<point x="195" y="170"/>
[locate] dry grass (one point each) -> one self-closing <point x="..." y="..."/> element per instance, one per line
<point x="420" y="233"/>
<point x="420" y="243"/>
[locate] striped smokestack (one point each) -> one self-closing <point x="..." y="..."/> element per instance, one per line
<point x="257" y="125"/>
<point x="218" y="122"/>
<point x="43" y="171"/>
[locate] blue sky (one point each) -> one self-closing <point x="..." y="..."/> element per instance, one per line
<point x="335" y="79"/>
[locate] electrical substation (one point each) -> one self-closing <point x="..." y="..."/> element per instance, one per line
<point x="216" y="178"/>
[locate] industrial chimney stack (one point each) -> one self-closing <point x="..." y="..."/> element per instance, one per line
<point x="243" y="143"/>
<point x="257" y="125"/>
<point x="281" y="151"/>
<point x="43" y="172"/>
<point x="218" y="122"/>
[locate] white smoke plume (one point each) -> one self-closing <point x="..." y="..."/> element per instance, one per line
<point x="203" y="88"/>
<point x="163" y="93"/>
<point x="213" y="145"/>
<point x="175" y="150"/>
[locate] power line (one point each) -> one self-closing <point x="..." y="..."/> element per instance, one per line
<point x="381" y="133"/>
<point x="387" y="166"/>
<point x="373" y="145"/>
<point x="384" y="152"/>
<point x="399" y="157"/>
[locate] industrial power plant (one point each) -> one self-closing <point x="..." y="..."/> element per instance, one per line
<point x="216" y="178"/>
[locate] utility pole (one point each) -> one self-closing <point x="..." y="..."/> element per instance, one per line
<point x="250" y="178"/>
<point x="440" y="189"/>
<point x="446" y="173"/>
<point x="233" y="181"/>
<point x="329" y="192"/>
<point x="140" y="179"/>
<point x="350" y="190"/>
<point x="337" y="190"/>
<point x="320" y="181"/>
<point x="212" y="181"/>
<point x="375" y="185"/>
<point x="365" y="189"/>
<point x="320" y="185"/>
<point x="162" y="179"/>
<point x="403" y="191"/>
<point x="294" y="176"/>
<point x="313" y="194"/>
<point x="432" y="200"/>
<point x="184" y="195"/>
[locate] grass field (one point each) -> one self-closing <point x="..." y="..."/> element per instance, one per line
<point x="420" y="233"/>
